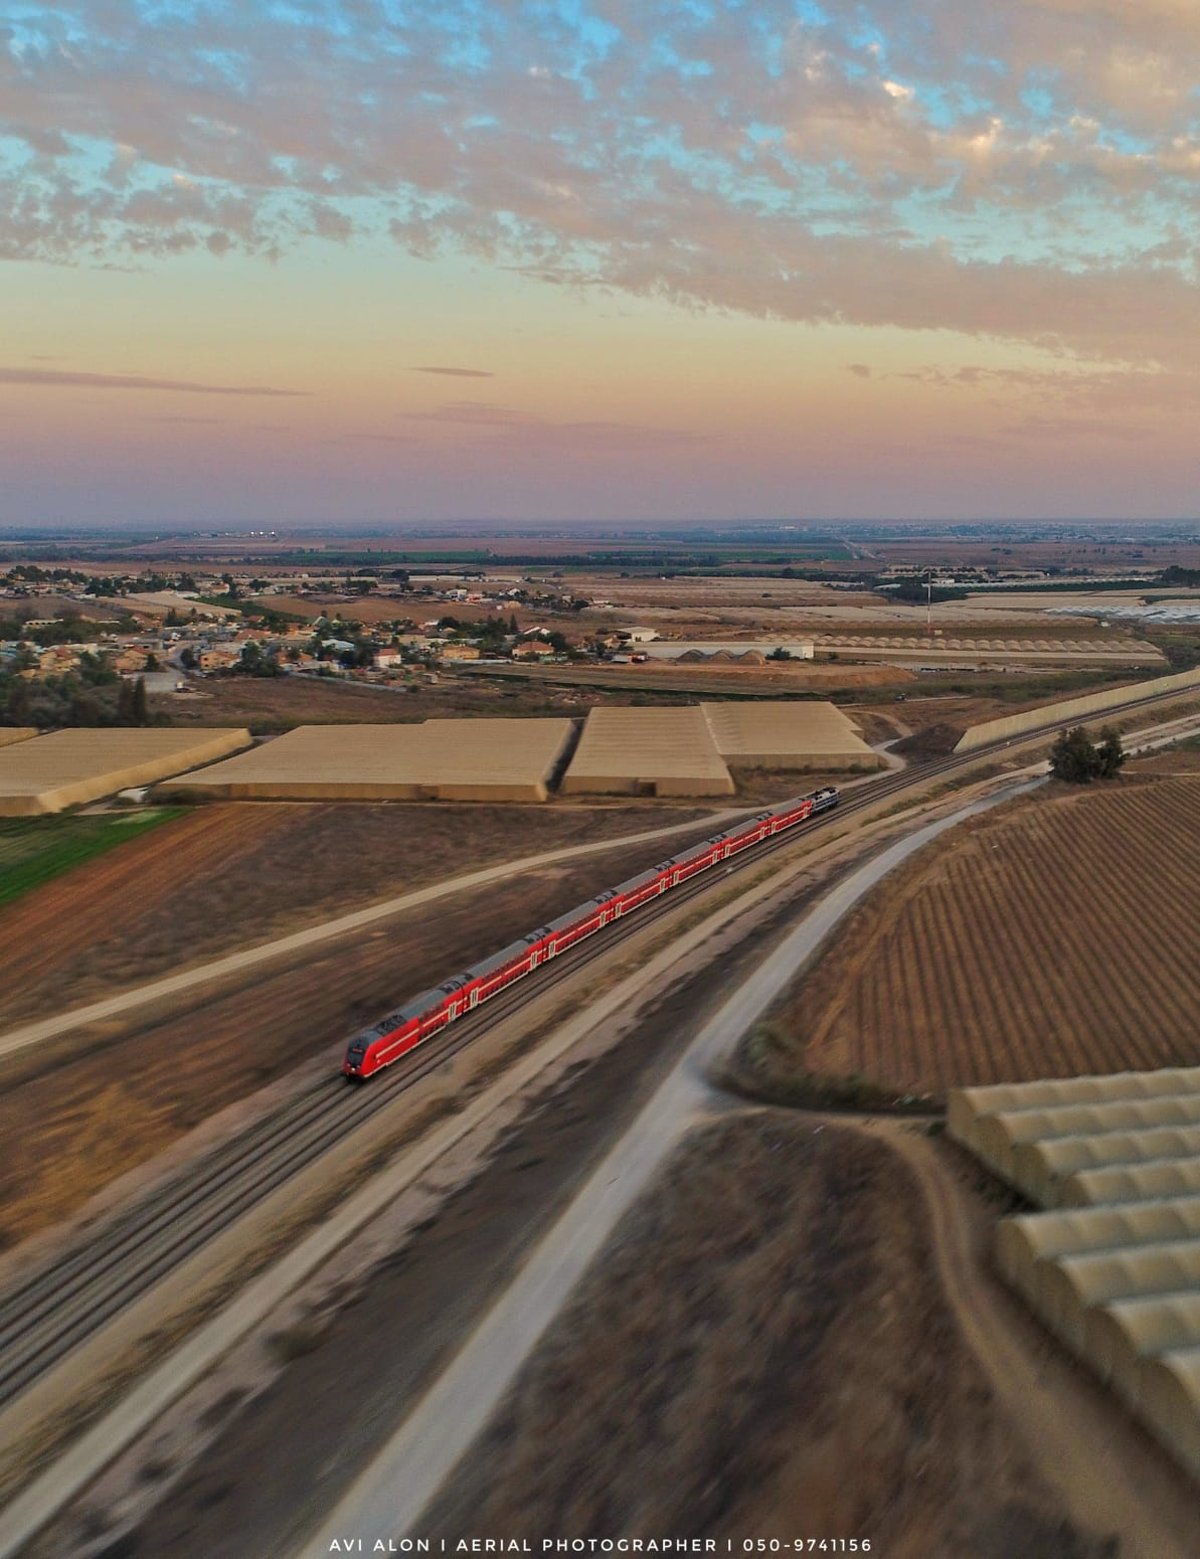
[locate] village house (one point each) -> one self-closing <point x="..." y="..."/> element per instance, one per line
<point x="218" y="658"/>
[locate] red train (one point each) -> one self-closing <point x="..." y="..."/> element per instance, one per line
<point x="424" y="1016"/>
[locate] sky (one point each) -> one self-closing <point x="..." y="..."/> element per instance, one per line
<point x="266" y="261"/>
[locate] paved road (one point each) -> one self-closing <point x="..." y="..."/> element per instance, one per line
<point x="388" y="1499"/>
<point x="172" y="985"/>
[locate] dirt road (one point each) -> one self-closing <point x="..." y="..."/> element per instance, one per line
<point x="1105" y="1470"/>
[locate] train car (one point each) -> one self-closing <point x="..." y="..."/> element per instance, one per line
<point x="419" y="1019"/>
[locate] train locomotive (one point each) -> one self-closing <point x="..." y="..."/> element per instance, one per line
<point x="426" y="1015"/>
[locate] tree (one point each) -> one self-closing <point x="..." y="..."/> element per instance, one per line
<point x="125" y="703"/>
<point x="1110" y="753"/>
<point x="16" y="711"/>
<point x="1076" y="759"/>
<point x="187" y="658"/>
<point x="141" y="713"/>
<point x="151" y="662"/>
<point x="257" y="662"/>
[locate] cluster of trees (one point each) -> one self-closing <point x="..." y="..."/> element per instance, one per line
<point x="69" y="631"/>
<point x="110" y="585"/>
<point x="131" y="702"/>
<point x="93" y="695"/>
<point x="1078" y="760"/>
<point x="31" y="574"/>
<point x="257" y="662"/>
<point x="490" y="632"/>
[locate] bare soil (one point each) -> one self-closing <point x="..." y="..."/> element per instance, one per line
<point x="1044" y="940"/>
<point x="765" y="1352"/>
<point x="931" y="741"/>
<point x="768" y="787"/>
<point x="268" y="704"/>
<point x="376" y="608"/>
<point x="1181" y="760"/>
<point x="704" y="680"/>
<point x="230" y="874"/>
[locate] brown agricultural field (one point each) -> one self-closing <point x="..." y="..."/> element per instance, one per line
<point x="267" y="704"/>
<point x="229" y="875"/>
<point x="373" y="609"/>
<point x="1184" y="759"/>
<point x="987" y="551"/>
<point x="1050" y="939"/>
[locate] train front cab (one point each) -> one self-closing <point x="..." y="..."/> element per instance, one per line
<point x="356" y="1059"/>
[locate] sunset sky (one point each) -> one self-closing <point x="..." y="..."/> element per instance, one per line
<point x="363" y="260"/>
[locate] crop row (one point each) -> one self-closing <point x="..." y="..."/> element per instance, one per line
<point x="1055" y="941"/>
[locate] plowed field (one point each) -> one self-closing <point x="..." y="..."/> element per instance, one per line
<point x="224" y="877"/>
<point x="1050" y="940"/>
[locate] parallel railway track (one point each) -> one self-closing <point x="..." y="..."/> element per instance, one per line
<point x="48" y="1313"/>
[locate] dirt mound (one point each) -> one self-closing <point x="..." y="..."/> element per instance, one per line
<point x="935" y="741"/>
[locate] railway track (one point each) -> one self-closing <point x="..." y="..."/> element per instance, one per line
<point x="49" y="1312"/>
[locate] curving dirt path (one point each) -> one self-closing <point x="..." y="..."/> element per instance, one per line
<point x="1104" y="1468"/>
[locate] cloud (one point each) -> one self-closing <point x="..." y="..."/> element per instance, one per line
<point x="1029" y="169"/>
<point x="1060" y="429"/>
<point x="517" y="427"/>
<point x="861" y="369"/>
<point x="458" y="373"/>
<point x="477" y="413"/>
<point x="205" y="422"/>
<point x="1152" y="391"/>
<point x="50" y="378"/>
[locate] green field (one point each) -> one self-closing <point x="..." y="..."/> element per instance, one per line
<point x="35" y="849"/>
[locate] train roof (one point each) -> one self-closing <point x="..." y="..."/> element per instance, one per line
<point x="631" y="884"/>
<point x="506" y="955"/>
<point x="402" y="1015"/>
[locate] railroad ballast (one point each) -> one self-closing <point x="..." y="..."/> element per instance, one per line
<point x="427" y="1014"/>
